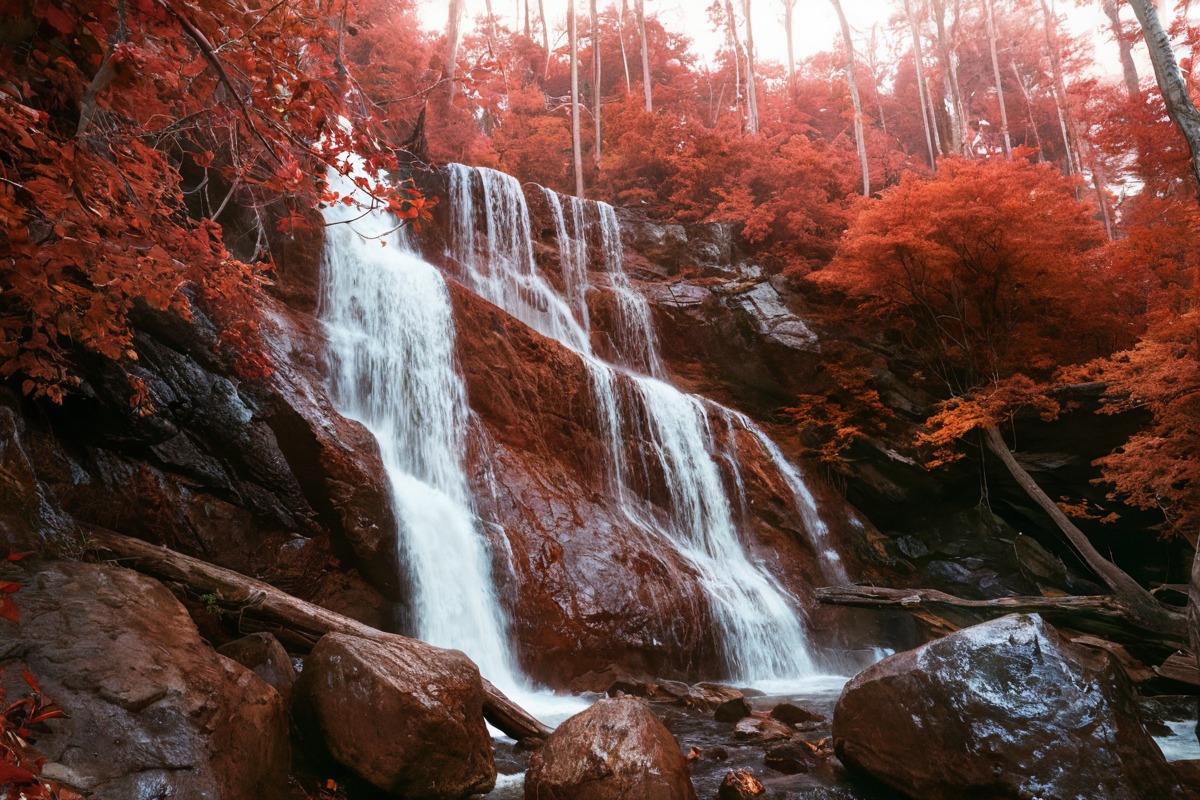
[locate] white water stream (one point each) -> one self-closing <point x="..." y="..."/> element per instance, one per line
<point x="761" y="625"/>
<point x="391" y="335"/>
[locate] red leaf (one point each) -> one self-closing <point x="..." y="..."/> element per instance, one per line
<point x="19" y="556"/>
<point x="8" y="609"/>
<point x="10" y="773"/>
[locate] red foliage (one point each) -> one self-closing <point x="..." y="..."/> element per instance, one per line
<point x="987" y="270"/>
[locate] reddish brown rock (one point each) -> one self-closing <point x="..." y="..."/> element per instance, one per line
<point x="1003" y="709"/>
<point x="732" y="710"/>
<point x="791" y="714"/>
<point x="762" y="729"/>
<point x="409" y="721"/>
<point x="614" y="750"/>
<point x="740" y="785"/>
<point x="151" y="710"/>
<point x="262" y="654"/>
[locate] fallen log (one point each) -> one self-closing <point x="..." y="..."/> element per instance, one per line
<point x="300" y="622"/>
<point x="1106" y="616"/>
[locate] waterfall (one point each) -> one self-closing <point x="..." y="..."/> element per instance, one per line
<point x="636" y="342"/>
<point x="760" y="623"/>
<point x="391" y="344"/>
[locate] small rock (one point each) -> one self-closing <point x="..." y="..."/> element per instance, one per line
<point x="790" y="714"/>
<point x="716" y="754"/>
<point x="614" y="750"/>
<point x="732" y="710"/>
<point x="762" y="730"/>
<point x="262" y="654"/>
<point x="740" y="785"/>
<point x="790" y="758"/>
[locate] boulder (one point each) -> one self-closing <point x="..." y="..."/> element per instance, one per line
<point x="762" y="729"/>
<point x="151" y="709"/>
<point x="615" y="749"/>
<point x="262" y="654"/>
<point x="790" y="714"/>
<point x="407" y="720"/>
<point x="790" y="758"/>
<point x="732" y="710"/>
<point x="740" y="785"/>
<point x="1003" y="709"/>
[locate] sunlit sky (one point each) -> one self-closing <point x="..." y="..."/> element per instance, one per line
<point x="816" y="27"/>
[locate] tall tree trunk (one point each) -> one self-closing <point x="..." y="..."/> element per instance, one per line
<point x="735" y="45"/>
<point x="789" y="8"/>
<point x="576" y="150"/>
<point x="528" y="29"/>
<point x="453" y="33"/>
<point x="751" y="88"/>
<point x="855" y="100"/>
<point x="1037" y="136"/>
<point x="991" y="31"/>
<point x="937" y="136"/>
<point x="545" y="38"/>
<point x="1170" y="80"/>
<point x="641" y="23"/>
<point x="1062" y="102"/>
<point x="1128" y="68"/>
<point x="919" y="63"/>
<point x="948" y="52"/>
<point x="622" y="12"/>
<point x="873" y="65"/>
<point x="596" y="75"/>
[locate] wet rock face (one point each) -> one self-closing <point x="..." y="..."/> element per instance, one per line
<point x="615" y="750"/>
<point x="1003" y="709"/>
<point x="260" y="476"/>
<point x="409" y="721"/>
<point x="151" y="709"/>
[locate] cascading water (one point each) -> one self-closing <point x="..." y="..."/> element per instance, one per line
<point x="760" y="623"/>
<point x="637" y="344"/>
<point x="391" y="343"/>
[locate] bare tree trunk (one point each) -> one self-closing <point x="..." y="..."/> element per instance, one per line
<point x="305" y="622"/>
<point x="1128" y="68"/>
<point x="948" y="51"/>
<point x="1142" y="604"/>
<point x="545" y="38"/>
<point x="751" y="88"/>
<point x="873" y="66"/>
<point x="641" y="23"/>
<point x="1061" y="101"/>
<point x="991" y="31"/>
<point x="596" y="75"/>
<point x="528" y="30"/>
<point x="1170" y="80"/>
<point x="937" y="136"/>
<point x="453" y="33"/>
<point x="789" y="8"/>
<point x="735" y="45"/>
<point x="622" y="12"/>
<point x="1037" y="136"/>
<point x="576" y="149"/>
<point x="919" y="63"/>
<point x="855" y="101"/>
<point x="1103" y="615"/>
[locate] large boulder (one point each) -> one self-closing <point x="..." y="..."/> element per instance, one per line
<point x="151" y="709"/>
<point x="408" y="720"/>
<point x="1003" y="709"/>
<point x="614" y="750"/>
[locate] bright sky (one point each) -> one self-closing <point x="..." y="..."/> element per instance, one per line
<point x="816" y="27"/>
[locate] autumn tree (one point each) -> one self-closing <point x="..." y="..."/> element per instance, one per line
<point x="129" y="134"/>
